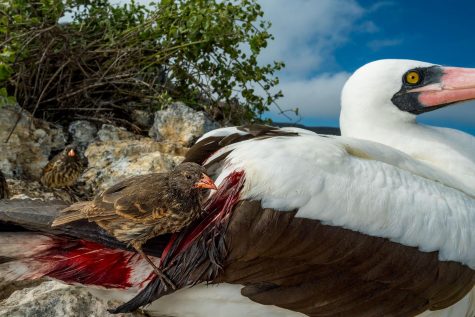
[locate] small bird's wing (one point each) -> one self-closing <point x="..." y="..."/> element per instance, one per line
<point x="50" y="166"/>
<point x="48" y="175"/>
<point x="139" y="198"/>
<point x="134" y="198"/>
<point x="53" y="163"/>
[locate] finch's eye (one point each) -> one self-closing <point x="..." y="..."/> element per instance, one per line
<point x="188" y="176"/>
<point x="412" y="77"/>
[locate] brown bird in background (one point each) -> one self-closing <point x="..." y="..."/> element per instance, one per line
<point x="63" y="169"/>
<point x="4" y="193"/>
<point x="145" y="206"/>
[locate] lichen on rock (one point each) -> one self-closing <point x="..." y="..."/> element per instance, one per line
<point x="119" y="154"/>
<point x="181" y="124"/>
<point x="29" y="146"/>
<point x="54" y="299"/>
<point x="82" y="132"/>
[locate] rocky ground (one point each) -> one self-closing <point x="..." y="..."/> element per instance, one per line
<point x="112" y="154"/>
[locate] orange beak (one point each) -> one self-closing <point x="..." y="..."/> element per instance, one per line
<point x="205" y="182"/>
<point x="71" y="153"/>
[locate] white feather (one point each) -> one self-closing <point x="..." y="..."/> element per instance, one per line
<point x="222" y="132"/>
<point x="223" y="300"/>
<point x="23" y="244"/>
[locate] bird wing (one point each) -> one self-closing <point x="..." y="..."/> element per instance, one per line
<point x="49" y="166"/>
<point x="219" y="138"/>
<point x="136" y="198"/>
<point x="336" y="225"/>
<point x="322" y="270"/>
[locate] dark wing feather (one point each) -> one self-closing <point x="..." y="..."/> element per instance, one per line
<point x="199" y="152"/>
<point x="319" y="270"/>
<point x="303" y="265"/>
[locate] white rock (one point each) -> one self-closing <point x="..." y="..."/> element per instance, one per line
<point x="113" y="161"/>
<point x="54" y="299"/>
<point x="109" y="132"/>
<point x="143" y="119"/>
<point x="28" y="149"/>
<point x="181" y="124"/>
<point x="82" y="132"/>
<point x="28" y="189"/>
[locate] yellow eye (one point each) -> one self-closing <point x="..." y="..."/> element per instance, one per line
<point x="413" y="78"/>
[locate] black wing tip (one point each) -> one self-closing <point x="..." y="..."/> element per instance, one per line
<point x="143" y="298"/>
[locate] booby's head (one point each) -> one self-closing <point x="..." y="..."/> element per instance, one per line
<point x="397" y="90"/>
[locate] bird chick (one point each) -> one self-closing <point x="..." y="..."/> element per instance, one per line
<point x="4" y="193"/>
<point x="63" y="169"/>
<point x="145" y="206"/>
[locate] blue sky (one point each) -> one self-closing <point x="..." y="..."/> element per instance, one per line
<point x="339" y="36"/>
<point x="323" y="41"/>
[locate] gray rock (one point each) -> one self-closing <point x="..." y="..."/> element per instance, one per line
<point x="109" y="132"/>
<point x="82" y="132"/>
<point x="28" y="189"/>
<point x="30" y="144"/>
<point x="7" y="288"/>
<point x="114" y="160"/>
<point x="51" y="299"/>
<point x="143" y="119"/>
<point x="181" y="124"/>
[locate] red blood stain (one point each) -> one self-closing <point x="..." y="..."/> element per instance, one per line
<point x="88" y="263"/>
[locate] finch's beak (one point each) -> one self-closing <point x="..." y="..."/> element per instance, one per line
<point x="71" y="153"/>
<point x="205" y="182"/>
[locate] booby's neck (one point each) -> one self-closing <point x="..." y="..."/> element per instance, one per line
<point x="450" y="150"/>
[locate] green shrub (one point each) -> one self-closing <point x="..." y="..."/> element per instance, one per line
<point x="104" y="61"/>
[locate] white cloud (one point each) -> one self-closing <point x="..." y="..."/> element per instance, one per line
<point x="306" y="35"/>
<point x="307" y="32"/>
<point x="315" y="97"/>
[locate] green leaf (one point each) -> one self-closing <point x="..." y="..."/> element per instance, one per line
<point x="5" y="72"/>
